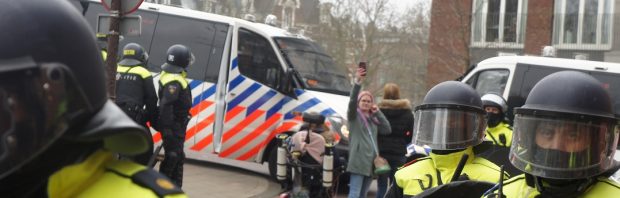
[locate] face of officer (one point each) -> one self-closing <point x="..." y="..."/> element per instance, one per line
<point x="565" y="137"/>
<point x="563" y="143"/>
<point x="494" y="116"/>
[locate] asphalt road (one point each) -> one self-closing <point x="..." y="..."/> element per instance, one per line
<point x="224" y="178"/>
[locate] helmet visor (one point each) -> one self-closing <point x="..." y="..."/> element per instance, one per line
<point x="562" y="148"/>
<point x="34" y="109"/>
<point x="448" y="129"/>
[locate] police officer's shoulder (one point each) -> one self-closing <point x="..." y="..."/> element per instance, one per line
<point x="172" y="87"/>
<point x="155" y="181"/>
<point x="514" y="179"/>
<point x="423" y="159"/>
<point x="173" y="80"/>
<point x="134" y="70"/>
<point x="143" y="72"/>
<point x="144" y="177"/>
<point x="607" y="185"/>
<point x="484" y="163"/>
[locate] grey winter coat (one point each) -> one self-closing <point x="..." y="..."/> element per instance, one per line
<point x="361" y="153"/>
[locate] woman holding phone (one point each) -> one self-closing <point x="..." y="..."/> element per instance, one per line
<point x="365" y="122"/>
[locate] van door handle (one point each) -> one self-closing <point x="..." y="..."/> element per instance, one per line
<point x="233" y="94"/>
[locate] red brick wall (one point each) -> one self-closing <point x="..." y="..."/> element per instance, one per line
<point x="538" y="32"/>
<point x="448" y="40"/>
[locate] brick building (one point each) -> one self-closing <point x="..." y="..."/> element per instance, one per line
<point x="465" y="32"/>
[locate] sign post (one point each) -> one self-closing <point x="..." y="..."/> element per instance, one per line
<point x="117" y="10"/>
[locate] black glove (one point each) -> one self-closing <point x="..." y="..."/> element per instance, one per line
<point x="463" y="177"/>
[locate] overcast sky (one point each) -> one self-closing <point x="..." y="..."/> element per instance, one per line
<point x="402" y="5"/>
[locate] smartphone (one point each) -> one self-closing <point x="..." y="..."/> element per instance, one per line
<point x="363" y="66"/>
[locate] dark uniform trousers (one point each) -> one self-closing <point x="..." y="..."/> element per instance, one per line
<point x="175" y="102"/>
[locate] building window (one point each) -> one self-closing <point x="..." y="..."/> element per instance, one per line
<point x="583" y="24"/>
<point x="498" y="23"/>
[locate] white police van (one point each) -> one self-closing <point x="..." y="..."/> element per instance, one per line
<point x="248" y="81"/>
<point x="513" y="77"/>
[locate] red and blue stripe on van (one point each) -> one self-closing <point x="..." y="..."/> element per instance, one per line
<point x="253" y="117"/>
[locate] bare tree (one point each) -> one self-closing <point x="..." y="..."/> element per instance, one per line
<point x="394" y="45"/>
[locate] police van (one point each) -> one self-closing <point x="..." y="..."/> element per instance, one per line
<point x="513" y="77"/>
<point x="249" y="80"/>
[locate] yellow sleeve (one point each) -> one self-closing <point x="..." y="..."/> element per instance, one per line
<point x="411" y="179"/>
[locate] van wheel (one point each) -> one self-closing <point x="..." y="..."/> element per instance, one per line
<point x="272" y="163"/>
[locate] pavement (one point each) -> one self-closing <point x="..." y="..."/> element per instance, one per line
<point x="213" y="180"/>
<point x="224" y="178"/>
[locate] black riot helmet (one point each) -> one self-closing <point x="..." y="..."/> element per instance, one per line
<point x="566" y="129"/>
<point x="133" y="54"/>
<point x="102" y="41"/>
<point x="449" y="118"/>
<point x="178" y="58"/>
<point x="53" y="94"/>
<point x="494" y="100"/>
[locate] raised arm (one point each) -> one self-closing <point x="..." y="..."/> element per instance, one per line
<point x="359" y="78"/>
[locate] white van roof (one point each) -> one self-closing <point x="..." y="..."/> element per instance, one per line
<point x="261" y="28"/>
<point x="551" y="62"/>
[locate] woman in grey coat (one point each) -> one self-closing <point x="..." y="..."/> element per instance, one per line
<point x="365" y="122"/>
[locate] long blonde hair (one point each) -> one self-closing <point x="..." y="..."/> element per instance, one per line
<point x="391" y="91"/>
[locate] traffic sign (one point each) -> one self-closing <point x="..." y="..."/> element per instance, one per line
<point x="127" y="6"/>
<point x="130" y="25"/>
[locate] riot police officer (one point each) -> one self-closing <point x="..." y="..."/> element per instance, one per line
<point x="175" y="100"/>
<point x="135" y="91"/>
<point x="564" y="140"/>
<point x="450" y="121"/>
<point x="58" y="130"/>
<point x="498" y="130"/>
<point x="498" y="133"/>
<point x="102" y="42"/>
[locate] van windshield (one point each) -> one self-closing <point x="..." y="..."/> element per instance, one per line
<point x="317" y="69"/>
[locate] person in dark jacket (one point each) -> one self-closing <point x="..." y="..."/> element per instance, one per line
<point x="393" y="146"/>
<point x="135" y="92"/>
<point x="175" y="100"/>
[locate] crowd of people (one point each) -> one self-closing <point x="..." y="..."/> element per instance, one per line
<point x="60" y="135"/>
<point x="562" y="145"/>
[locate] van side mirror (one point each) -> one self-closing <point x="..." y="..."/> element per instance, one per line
<point x="287" y="81"/>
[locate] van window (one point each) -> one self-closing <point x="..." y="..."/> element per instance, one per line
<point x="148" y="26"/>
<point x="490" y="81"/>
<point x="205" y="39"/>
<point x="611" y="82"/>
<point x="257" y="59"/>
<point x="525" y="77"/>
<point x="532" y="75"/>
<point x="318" y="70"/>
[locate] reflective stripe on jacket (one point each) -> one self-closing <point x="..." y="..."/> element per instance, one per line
<point x="437" y="169"/>
<point x="137" y="70"/>
<point x="172" y="77"/>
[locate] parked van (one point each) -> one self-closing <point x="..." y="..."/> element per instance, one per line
<point x="513" y="77"/>
<point x="249" y="81"/>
